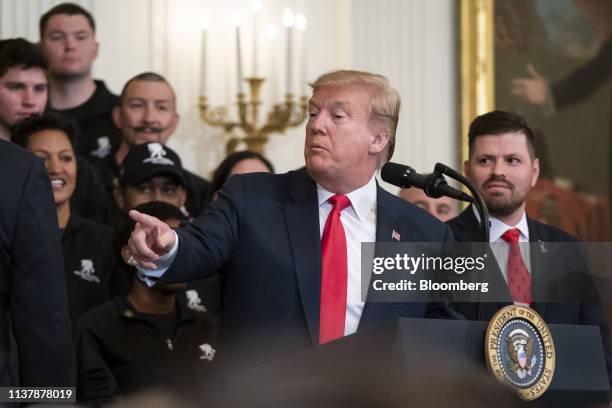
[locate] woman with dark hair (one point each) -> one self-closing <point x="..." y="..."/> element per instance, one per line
<point x="87" y="246"/>
<point x="237" y="163"/>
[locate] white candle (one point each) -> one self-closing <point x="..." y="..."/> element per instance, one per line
<point x="255" y="45"/>
<point x="300" y="24"/>
<point x="288" y="20"/>
<point x="274" y="60"/>
<point x="239" y="60"/>
<point x="203" y="65"/>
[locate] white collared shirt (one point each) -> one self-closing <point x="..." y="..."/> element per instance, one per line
<point x="359" y="222"/>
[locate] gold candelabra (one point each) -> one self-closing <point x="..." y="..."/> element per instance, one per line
<point x="282" y="116"/>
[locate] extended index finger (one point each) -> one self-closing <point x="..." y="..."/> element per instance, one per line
<point x="145" y="219"/>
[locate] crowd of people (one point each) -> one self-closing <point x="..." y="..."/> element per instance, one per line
<point x="145" y="269"/>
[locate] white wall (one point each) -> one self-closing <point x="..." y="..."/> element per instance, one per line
<point x="413" y="42"/>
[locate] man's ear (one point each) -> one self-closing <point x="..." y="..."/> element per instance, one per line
<point x="379" y="140"/>
<point x="535" y="172"/>
<point x="125" y="253"/>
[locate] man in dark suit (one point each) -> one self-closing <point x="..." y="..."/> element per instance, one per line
<point x="288" y="249"/>
<point x="503" y="167"/>
<point x="32" y="291"/>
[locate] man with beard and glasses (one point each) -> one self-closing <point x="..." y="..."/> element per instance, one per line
<point x="147" y="113"/>
<point x="68" y="40"/>
<point x="503" y="167"/>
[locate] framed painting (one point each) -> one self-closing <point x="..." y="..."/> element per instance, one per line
<point x="551" y="62"/>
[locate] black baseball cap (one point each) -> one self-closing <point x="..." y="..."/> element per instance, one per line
<point x="149" y="160"/>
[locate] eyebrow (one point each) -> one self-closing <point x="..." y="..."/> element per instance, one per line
<point x="58" y="31"/>
<point x="139" y="98"/>
<point x="47" y="151"/>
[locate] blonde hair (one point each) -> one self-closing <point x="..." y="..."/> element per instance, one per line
<point x="384" y="105"/>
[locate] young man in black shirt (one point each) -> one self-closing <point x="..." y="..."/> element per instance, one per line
<point x="175" y="343"/>
<point x="67" y="38"/>
<point x="23" y="92"/>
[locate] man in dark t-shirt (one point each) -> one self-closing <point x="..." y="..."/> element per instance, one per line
<point x="23" y="92"/>
<point x="67" y="38"/>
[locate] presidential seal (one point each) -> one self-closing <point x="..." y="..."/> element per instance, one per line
<point x="519" y="350"/>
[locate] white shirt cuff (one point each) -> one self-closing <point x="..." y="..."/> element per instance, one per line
<point x="150" y="276"/>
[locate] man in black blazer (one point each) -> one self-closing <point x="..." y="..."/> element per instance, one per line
<point x="32" y="291"/>
<point x="265" y="232"/>
<point x="503" y="167"/>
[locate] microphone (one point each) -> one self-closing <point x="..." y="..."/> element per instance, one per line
<point x="433" y="184"/>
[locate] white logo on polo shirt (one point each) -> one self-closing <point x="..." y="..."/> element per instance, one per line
<point x="103" y="149"/>
<point x="87" y="271"/>
<point x="194" y="302"/>
<point x="208" y="353"/>
<point x="156" y="155"/>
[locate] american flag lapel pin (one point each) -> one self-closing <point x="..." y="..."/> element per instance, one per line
<point x="395" y="235"/>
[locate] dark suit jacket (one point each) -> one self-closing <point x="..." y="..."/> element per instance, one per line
<point x="466" y="229"/>
<point x="263" y="232"/>
<point x="32" y="290"/>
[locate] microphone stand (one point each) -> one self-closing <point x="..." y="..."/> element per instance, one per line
<point x="481" y="206"/>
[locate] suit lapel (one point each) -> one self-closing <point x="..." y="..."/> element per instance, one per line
<point x="539" y="259"/>
<point x="375" y="312"/>
<point x="302" y="217"/>
<point x="467" y="227"/>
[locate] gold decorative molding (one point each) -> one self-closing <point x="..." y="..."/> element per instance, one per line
<point x="477" y="63"/>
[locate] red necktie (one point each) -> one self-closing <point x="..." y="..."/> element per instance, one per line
<point x="334" y="273"/>
<point x="519" y="279"/>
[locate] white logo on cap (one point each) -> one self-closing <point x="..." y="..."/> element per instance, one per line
<point x="104" y="147"/>
<point x="87" y="271"/>
<point x="157" y="153"/>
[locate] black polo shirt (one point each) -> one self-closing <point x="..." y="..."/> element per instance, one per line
<point x="146" y="351"/>
<point x="99" y="137"/>
<point x="88" y="263"/>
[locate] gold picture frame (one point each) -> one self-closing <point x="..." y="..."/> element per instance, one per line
<point x="476" y="27"/>
<point x="506" y="43"/>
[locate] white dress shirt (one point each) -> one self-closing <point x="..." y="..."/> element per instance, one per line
<point x="359" y="222"/>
